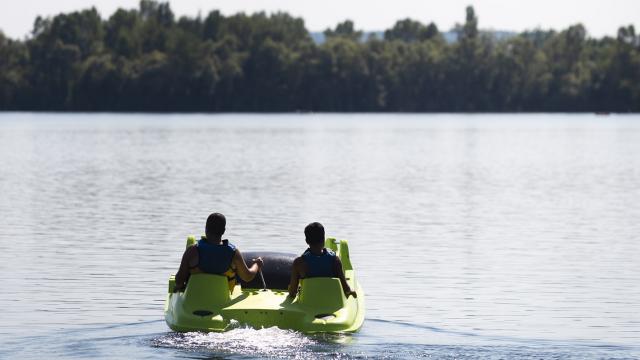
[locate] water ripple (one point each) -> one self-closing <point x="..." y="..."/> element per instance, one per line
<point x="477" y="228"/>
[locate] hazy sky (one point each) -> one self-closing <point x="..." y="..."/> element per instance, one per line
<point x="601" y="17"/>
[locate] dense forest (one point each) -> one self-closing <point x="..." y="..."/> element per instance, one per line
<point x="147" y="60"/>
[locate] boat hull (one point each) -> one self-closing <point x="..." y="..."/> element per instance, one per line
<point x="321" y="306"/>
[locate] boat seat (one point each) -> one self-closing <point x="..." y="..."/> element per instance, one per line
<point x="206" y="291"/>
<point x="322" y="293"/>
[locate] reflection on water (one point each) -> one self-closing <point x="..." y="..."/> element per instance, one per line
<point x="501" y="231"/>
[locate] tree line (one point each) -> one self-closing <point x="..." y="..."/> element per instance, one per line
<point x="147" y="60"/>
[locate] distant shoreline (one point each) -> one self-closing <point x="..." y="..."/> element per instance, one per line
<point x="146" y="60"/>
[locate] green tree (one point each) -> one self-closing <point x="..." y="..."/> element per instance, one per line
<point x="144" y="60"/>
<point x="13" y="62"/>
<point x="345" y="29"/>
<point x="123" y="33"/>
<point x="411" y="31"/>
<point x="212" y="26"/>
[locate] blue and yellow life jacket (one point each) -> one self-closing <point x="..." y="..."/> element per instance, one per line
<point x="216" y="259"/>
<point x="320" y="265"/>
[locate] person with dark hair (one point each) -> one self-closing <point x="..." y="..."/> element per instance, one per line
<point x="213" y="255"/>
<point x="317" y="261"/>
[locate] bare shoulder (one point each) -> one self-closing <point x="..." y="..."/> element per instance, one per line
<point x="237" y="256"/>
<point x="191" y="250"/>
<point x="298" y="263"/>
<point x="191" y="256"/>
<point x="337" y="262"/>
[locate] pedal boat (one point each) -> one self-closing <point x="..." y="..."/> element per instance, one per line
<point x="320" y="306"/>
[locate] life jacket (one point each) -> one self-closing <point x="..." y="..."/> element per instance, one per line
<point x="216" y="259"/>
<point x="320" y="265"/>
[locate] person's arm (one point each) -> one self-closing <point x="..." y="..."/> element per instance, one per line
<point x="246" y="273"/>
<point x="183" y="272"/>
<point x="295" y="278"/>
<point x="345" y="287"/>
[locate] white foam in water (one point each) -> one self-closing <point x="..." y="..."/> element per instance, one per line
<point x="263" y="342"/>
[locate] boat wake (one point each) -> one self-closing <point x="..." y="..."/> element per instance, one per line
<point x="433" y="335"/>
<point x="266" y="342"/>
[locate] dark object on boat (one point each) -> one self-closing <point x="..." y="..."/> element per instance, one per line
<point x="276" y="269"/>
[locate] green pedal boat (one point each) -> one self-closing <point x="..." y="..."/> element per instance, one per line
<point x="320" y="306"/>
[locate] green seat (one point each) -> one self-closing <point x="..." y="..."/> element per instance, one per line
<point x="322" y="293"/>
<point x="206" y="292"/>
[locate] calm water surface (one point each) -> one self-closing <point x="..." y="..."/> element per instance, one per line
<point x="486" y="236"/>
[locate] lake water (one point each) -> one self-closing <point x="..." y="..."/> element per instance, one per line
<point x="473" y="236"/>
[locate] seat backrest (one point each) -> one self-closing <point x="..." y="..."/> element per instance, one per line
<point x="206" y="292"/>
<point x="322" y="293"/>
<point x="341" y="248"/>
<point x="344" y="255"/>
<point x="191" y="240"/>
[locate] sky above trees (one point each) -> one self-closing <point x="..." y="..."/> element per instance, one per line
<point x="599" y="17"/>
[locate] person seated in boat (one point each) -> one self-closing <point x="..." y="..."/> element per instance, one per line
<point x="317" y="261"/>
<point x="213" y="255"/>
